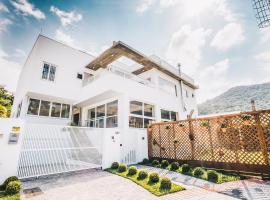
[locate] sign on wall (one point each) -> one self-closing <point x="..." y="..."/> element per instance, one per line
<point x="14" y="135"/>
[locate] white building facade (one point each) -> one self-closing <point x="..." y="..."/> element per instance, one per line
<point x="61" y="86"/>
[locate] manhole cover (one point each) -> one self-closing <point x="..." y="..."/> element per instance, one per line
<point x="32" y="192"/>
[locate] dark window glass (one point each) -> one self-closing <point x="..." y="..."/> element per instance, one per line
<point x="45" y="71"/>
<point x="136" y="107"/>
<point x="111" y="122"/>
<point x="33" y="107"/>
<point x="44" y="108"/>
<point x="65" y="111"/>
<point x="52" y="73"/>
<point x="101" y="111"/>
<point x="92" y="113"/>
<point x="100" y="123"/>
<point x="147" y="122"/>
<point x="135" y="122"/>
<point x="148" y="110"/>
<point x="165" y="114"/>
<point x="56" y="109"/>
<point x="173" y="116"/>
<point x="112" y="108"/>
<point x="79" y="76"/>
<point x="175" y="88"/>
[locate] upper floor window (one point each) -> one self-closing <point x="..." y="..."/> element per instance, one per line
<point x="167" y="86"/>
<point x="167" y="115"/>
<point x="186" y="93"/>
<point x="48" y="72"/>
<point x="193" y="95"/>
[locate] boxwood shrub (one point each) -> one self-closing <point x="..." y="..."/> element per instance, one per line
<point x="174" y="166"/>
<point x="154" y="177"/>
<point x="122" y="168"/>
<point x="213" y="176"/>
<point x="142" y="175"/>
<point x="132" y="171"/>
<point x="8" y="180"/>
<point x="13" y="187"/>
<point x="164" y="164"/>
<point x="145" y="161"/>
<point x="198" y="172"/>
<point x="115" y="165"/>
<point x="165" y="184"/>
<point x="186" y="168"/>
<point x="155" y="162"/>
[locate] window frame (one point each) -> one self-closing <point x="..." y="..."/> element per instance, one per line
<point x="48" y="75"/>
<point x="170" y="113"/>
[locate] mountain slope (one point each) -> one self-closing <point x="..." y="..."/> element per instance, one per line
<point x="238" y="99"/>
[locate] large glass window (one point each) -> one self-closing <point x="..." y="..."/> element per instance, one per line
<point x="141" y="114"/>
<point x="44" y="108"/>
<point x="56" y="109"/>
<point x="48" y="72"/>
<point x="45" y="71"/>
<point x="65" y="111"/>
<point x="33" y="107"/>
<point x="167" y="115"/>
<point x="167" y="86"/>
<point x="52" y="73"/>
<point x="112" y="118"/>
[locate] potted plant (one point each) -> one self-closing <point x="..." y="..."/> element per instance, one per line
<point x="223" y="128"/>
<point x="204" y="123"/>
<point x="181" y="125"/>
<point x="246" y="119"/>
<point x="175" y="140"/>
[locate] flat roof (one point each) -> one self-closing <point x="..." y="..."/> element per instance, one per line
<point x="119" y="49"/>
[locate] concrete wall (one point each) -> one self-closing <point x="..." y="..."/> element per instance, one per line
<point x="9" y="153"/>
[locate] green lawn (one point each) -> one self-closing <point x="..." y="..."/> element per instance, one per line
<point x="153" y="188"/>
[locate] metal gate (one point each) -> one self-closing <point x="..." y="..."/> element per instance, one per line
<point x="51" y="149"/>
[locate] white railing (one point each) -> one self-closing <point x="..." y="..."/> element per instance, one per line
<point x="52" y="149"/>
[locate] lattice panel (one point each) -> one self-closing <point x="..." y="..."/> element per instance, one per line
<point x="265" y="122"/>
<point x="165" y="137"/>
<point x="155" y="141"/>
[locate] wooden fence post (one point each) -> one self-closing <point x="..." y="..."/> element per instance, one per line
<point x="149" y="137"/>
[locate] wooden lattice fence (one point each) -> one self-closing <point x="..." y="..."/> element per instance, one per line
<point x="237" y="142"/>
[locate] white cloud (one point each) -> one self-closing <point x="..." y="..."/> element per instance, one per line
<point x="4" y="23"/>
<point x="263" y="60"/>
<point x="27" y="9"/>
<point x="63" y="37"/>
<point x="3" y="7"/>
<point x="185" y="47"/>
<point x="265" y="32"/>
<point x="9" y="72"/>
<point x="19" y="52"/>
<point x="144" y="5"/>
<point x="231" y="35"/>
<point x="66" y="18"/>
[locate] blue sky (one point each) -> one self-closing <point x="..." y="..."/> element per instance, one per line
<point x="217" y="42"/>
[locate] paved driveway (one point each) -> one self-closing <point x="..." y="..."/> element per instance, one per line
<point x="101" y="185"/>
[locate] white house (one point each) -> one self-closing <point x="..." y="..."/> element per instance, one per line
<point x="112" y="98"/>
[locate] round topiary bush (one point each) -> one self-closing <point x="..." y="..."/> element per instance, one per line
<point x="142" y="175"/>
<point x="154" y="177"/>
<point x="174" y="166"/>
<point x="164" y="164"/>
<point x="145" y="161"/>
<point x="165" y="184"/>
<point x="115" y="165"/>
<point x="213" y="176"/>
<point x="8" y="180"/>
<point x="13" y="187"/>
<point x="122" y="168"/>
<point x="132" y="171"/>
<point x="198" y="172"/>
<point x="186" y="168"/>
<point x="155" y="162"/>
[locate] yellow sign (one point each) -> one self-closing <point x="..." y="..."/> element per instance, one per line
<point x="15" y="129"/>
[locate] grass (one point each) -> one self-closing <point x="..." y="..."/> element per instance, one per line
<point x="223" y="177"/>
<point x="153" y="188"/>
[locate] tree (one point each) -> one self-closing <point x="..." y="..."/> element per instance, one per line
<point x="6" y="101"/>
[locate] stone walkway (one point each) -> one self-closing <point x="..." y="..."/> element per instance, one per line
<point x="251" y="189"/>
<point x="101" y="185"/>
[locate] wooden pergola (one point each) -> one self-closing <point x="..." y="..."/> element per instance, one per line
<point x="120" y="49"/>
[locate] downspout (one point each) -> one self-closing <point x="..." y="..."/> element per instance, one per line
<point x="181" y="87"/>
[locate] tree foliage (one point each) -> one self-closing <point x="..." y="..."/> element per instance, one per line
<point x="6" y="101"/>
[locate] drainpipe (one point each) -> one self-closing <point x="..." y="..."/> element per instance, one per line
<point x="181" y="87"/>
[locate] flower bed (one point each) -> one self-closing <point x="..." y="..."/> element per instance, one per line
<point x="151" y="182"/>
<point x="198" y="172"/>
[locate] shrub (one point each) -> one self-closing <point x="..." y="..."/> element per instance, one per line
<point x="8" y="180"/>
<point x="198" y="172"/>
<point x="212" y="175"/>
<point x="154" y="177"/>
<point x="142" y="175"/>
<point x="132" y="171"/>
<point x="122" y="168"/>
<point x="164" y="164"/>
<point x="115" y="165"/>
<point x="13" y="187"/>
<point x="165" y="184"/>
<point x="145" y="161"/>
<point x="174" y="166"/>
<point x="155" y="162"/>
<point x="186" y="168"/>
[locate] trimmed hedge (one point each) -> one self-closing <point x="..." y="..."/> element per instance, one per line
<point x="213" y="176"/>
<point x="198" y="172"/>
<point x="165" y="184"/>
<point x="132" y="171"/>
<point x="122" y="168"/>
<point x="155" y="162"/>
<point x="145" y="161"/>
<point x="115" y="165"/>
<point x="154" y="177"/>
<point x="174" y="166"/>
<point x="13" y="187"/>
<point x="186" y="168"/>
<point x="164" y="164"/>
<point x="8" y="180"/>
<point x="142" y="174"/>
